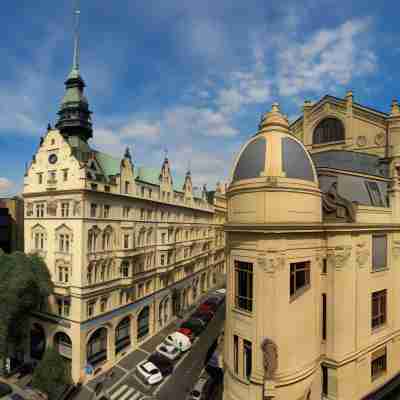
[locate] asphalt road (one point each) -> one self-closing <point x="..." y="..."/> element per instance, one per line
<point x="126" y="385"/>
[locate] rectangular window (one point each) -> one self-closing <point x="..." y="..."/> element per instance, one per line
<point x="65" y="175"/>
<point x="142" y="214"/>
<point x="93" y="210"/>
<point x="126" y="241"/>
<point x="64" y="210"/>
<point x="247" y="358"/>
<point x="103" y="305"/>
<point x="163" y="236"/>
<point x="299" y="277"/>
<point x="121" y="297"/>
<point x="378" y="309"/>
<point x="40" y="210"/>
<point x="244" y="285"/>
<point x="323" y="316"/>
<point x="374" y="193"/>
<point x="90" y="308"/>
<point x="150" y="193"/>
<point x="379" y="252"/>
<point x="378" y="363"/>
<point x="125" y="212"/>
<point x="106" y="211"/>
<point x="59" y="306"/>
<point x="126" y="187"/>
<point x="107" y="188"/>
<point x="67" y="307"/>
<point x="324" y="379"/>
<point x="93" y="186"/>
<point x="236" y="353"/>
<point x="40" y="178"/>
<point x="324" y="265"/>
<point x="142" y="191"/>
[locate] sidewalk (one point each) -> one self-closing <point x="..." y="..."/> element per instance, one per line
<point x="129" y="361"/>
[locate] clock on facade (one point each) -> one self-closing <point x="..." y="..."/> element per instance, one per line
<point x="52" y="158"/>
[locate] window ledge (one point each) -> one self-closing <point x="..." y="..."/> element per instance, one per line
<point x="242" y="312"/>
<point x="379" y="271"/>
<point x="318" y="145"/>
<point x="379" y="328"/>
<point x="378" y="375"/>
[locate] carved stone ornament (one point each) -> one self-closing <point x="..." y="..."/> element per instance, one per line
<point x="77" y="208"/>
<point x="336" y="206"/>
<point x="270" y="358"/>
<point x="362" y="254"/>
<point x="52" y="208"/>
<point x="361" y="141"/>
<point x="272" y="261"/>
<point x="396" y="248"/>
<point x="29" y="209"/>
<point x="338" y="255"/>
<point x="271" y="181"/>
<point x="319" y="257"/>
<point x="380" y="139"/>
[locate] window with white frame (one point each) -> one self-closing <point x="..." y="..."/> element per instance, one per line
<point x="40" y="210"/>
<point x="63" y="273"/>
<point x="64" y="209"/>
<point x="106" y="211"/>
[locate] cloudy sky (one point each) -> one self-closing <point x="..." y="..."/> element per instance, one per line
<point x="190" y="76"/>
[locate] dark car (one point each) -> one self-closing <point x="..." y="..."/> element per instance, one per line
<point x="16" y="396"/>
<point x="5" y="389"/>
<point x="203" y="315"/>
<point x="195" y="325"/>
<point x="162" y="363"/>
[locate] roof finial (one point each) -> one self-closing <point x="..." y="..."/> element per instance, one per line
<point x="166" y="153"/>
<point x="75" y="63"/>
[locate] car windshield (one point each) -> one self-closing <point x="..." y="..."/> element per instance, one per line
<point x="195" y="393"/>
<point x="153" y="371"/>
<point x="163" y="348"/>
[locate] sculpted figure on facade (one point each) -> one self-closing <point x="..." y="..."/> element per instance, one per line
<point x="77" y="208"/>
<point x="362" y="254"/>
<point x="341" y="208"/>
<point x="270" y="357"/>
<point x="52" y="208"/>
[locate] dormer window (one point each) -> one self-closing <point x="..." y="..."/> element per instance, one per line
<point x="329" y="130"/>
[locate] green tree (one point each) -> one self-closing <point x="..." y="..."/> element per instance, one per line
<point x="52" y="374"/>
<point x="25" y="283"/>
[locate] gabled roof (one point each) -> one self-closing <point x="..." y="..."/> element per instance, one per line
<point x="110" y="165"/>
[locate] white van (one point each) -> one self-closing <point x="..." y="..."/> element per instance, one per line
<point x="179" y="340"/>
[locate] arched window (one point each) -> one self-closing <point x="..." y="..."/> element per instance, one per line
<point x="97" y="347"/>
<point x="122" y="334"/>
<point x="143" y="323"/>
<point x="63" y="344"/>
<point x="328" y="130"/>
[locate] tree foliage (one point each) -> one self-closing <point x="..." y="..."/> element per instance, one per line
<point x="25" y="282"/>
<point x="52" y="374"/>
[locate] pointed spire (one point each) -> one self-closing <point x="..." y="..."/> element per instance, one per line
<point x="74" y="115"/>
<point x="75" y="62"/>
<point x="128" y="154"/>
<point x="273" y="120"/>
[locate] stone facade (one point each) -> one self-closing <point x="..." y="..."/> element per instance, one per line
<point x="312" y="295"/>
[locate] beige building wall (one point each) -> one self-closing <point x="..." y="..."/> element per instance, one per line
<point x="115" y="246"/>
<point x="264" y="229"/>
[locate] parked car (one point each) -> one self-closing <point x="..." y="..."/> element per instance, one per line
<point x="205" y="316"/>
<point x="195" y="325"/>
<point x="162" y="363"/>
<point x="149" y="372"/>
<point x="187" y="332"/>
<point x="5" y="389"/>
<point x="201" y="389"/>
<point x="168" y="350"/>
<point x="179" y="340"/>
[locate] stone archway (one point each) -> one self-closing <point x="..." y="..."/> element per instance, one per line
<point x="123" y="335"/>
<point x="38" y="341"/>
<point x="96" y="349"/>
<point x="143" y="323"/>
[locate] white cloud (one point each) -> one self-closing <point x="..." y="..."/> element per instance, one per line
<point x="329" y="57"/>
<point x="5" y="185"/>
<point x="141" y="129"/>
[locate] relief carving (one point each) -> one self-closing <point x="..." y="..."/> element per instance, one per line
<point x="270" y="358"/>
<point x="52" y="208"/>
<point x="362" y="254"/>
<point x="272" y="261"/>
<point x="338" y="256"/>
<point x="380" y="139"/>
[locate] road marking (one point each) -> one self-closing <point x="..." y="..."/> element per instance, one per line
<point x="118" y="381"/>
<point x="127" y="394"/>
<point x="122" y="368"/>
<point x="118" y="391"/>
<point x="144" y="351"/>
<point x="136" y="396"/>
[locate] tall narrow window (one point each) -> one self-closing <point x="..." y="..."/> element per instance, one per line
<point x="126" y="241"/>
<point x="374" y="193"/>
<point x="247" y="358"/>
<point x="64" y="210"/>
<point x="378" y="309"/>
<point x="65" y="175"/>
<point x="126" y="187"/>
<point x="323" y="316"/>
<point x="93" y="210"/>
<point x="244" y="285"/>
<point x="40" y="178"/>
<point x="379" y="252"/>
<point x="378" y="363"/>
<point x="324" y="379"/>
<point x="236" y="353"/>
<point x="106" y="211"/>
<point x="324" y="265"/>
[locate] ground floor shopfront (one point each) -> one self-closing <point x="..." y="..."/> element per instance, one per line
<point x="101" y="341"/>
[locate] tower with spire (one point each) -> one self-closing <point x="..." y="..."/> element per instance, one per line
<point x="74" y="114"/>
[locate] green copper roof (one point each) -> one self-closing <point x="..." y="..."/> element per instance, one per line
<point x="73" y="95"/>
<point x="110" y="165"/>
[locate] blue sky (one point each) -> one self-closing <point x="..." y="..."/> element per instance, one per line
<point x="190" y="76"/>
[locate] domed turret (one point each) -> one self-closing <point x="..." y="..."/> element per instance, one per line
<point x="274" y="178"/>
